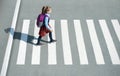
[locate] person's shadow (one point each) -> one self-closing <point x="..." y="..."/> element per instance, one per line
<point x="17" y="35"/>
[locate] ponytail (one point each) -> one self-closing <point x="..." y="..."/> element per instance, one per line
<point x="43" y="9"/>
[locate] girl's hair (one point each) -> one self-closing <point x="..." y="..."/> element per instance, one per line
<point x="47" y="8"/>
<point x="43" y="9"/>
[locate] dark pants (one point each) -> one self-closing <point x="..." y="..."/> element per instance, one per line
<point x="40" y="37"/>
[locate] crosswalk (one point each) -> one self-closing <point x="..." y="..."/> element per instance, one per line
<point x="66" y="42"/>
<point x="80" y="42"/>
<point x="36" y="50"/>
<point x="22" y="48"/>
<point x="66" y="45"/>
<point x="110" y="44"/>
<point x="95" y="42"/>
<point x="52" y="47"/>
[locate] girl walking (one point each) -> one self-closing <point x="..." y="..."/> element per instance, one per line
<point x="45" y="28"/>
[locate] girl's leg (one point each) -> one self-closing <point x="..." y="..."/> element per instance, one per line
<point x="51" y="39"/>
<point x="50" y="36"/>
<point x="39" y="39"/>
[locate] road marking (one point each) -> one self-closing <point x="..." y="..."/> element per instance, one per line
<point x="80" y="43"/>
<point x="116" y="26"/>
<point x="23" y="43"/>
<point x="52" y="47"/>
<point x="110" y="44"/>
<point x="94" y="39"/>
<point x="10" y="40"/>
<point x="36" y="49"/>
<point x="66" y="43"/>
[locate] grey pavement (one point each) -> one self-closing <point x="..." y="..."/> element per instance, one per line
<point x="62" y="9"/>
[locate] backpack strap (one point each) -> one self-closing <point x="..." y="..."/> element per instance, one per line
<point x="44" y="19"/>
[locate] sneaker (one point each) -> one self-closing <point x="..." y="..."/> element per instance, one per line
<point x="39" y="44"/>
<point x="53" y="41"/>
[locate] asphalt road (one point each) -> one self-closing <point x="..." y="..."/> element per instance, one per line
<point x="101" y="55"/>
<point x="6" y="14"/>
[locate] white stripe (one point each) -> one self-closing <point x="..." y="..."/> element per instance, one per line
<point x="110" y="44"/>
<point x="52" y="47"/>
<point x="23" y="43"/>
<point x="66" y="43"/>
<point x="116" y="26"/>
<point x="95" y="42"/>
<point x="10" y="40"/>
<point x="80" y="42"/>
<point x="36" y="48"/>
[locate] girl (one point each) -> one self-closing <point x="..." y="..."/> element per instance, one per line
<point x="45" y="28"/>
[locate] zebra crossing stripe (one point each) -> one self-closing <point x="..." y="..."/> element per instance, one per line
<point x="95" y="42"/>
<point x="66" y="43"/>
<point x="80" y="42"/>
<point x="52" y="47"/>
<point x="110" y="44"/>
<point x="36" y="49"/>
<point x="116" y="26"/>
<point x="23" y="43"/>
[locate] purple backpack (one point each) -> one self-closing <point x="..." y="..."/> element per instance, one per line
<point x="40" y="20"/>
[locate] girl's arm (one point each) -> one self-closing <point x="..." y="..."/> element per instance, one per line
<point x="47" y="24"/>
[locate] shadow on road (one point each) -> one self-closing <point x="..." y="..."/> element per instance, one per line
<point x="17" y="35"/>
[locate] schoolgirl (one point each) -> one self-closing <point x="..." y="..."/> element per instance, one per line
<point x="45" y="28"/>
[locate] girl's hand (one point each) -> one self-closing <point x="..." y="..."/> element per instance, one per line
<point x="51" y="30"/>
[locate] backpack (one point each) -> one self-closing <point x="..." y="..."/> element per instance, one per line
<point x="40" y="20"/>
